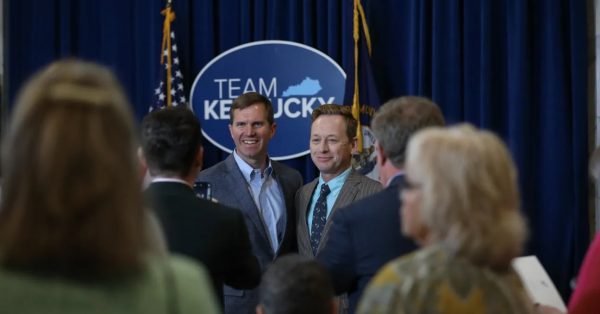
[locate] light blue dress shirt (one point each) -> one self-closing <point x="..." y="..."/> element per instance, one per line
<point x="335" y="186"/>
<point x="268" y="198"/>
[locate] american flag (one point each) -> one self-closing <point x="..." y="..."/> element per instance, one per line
<point x="170" y="91"/>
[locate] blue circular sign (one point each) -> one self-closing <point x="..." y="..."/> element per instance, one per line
<point x="295" y="77"/>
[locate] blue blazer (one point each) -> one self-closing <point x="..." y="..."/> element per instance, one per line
<point x="363" y="237"/>
<point x="230" y="188"/>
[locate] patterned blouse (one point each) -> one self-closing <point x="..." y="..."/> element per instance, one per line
<point x="432" y="280"/>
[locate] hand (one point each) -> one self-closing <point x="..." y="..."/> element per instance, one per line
<point x="546" y="309"/>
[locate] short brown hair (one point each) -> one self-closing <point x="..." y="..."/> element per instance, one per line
<point x="398" y="119"/>
<point x="171" y="138"/>
<point x="71" y="193"/>
<point x="337" y="110"/>
<point x="251" y="98"/>
<point x="296" y="284"/>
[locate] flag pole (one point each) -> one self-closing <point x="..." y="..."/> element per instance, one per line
<point x="365" y="26"/>
<point x="355" y="98"/>
<point x="166" y="46"/>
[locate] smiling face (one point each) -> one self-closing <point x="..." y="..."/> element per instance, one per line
<point x="330" y="147"/>
<point x="251" y="133"/>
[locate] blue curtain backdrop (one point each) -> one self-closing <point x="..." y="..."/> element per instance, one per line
<point x="516" y="67"/>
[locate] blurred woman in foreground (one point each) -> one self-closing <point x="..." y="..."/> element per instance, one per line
<point x="73" y="235"/>
<point x="461" y="204"/>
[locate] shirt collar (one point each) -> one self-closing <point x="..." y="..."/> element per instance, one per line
<point x="249" y="172"/>
<point x="163" y="179"/>
<point x="338" y="181"/>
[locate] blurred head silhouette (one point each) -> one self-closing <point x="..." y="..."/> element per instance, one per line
<point x="71" y="197"/>
<point x="296" y="284"/>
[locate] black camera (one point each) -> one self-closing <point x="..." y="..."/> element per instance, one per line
<point x="203" y="190"/>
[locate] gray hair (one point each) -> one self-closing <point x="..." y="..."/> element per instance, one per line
<point x="398" y="119"/>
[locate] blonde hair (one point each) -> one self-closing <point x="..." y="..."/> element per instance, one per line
<point x="71" y="193"/>
<point x="470" y="199"/>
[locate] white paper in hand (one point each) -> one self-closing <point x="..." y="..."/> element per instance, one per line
<point x="537" y="283"/>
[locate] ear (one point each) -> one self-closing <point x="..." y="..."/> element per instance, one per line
<point x="199" y="160"/>
<point x="260" y="309"/>
<point x="381" y="156"/>
<point x="142" y="162"/>
<point x="334" y="305"/>
<point x="354" y="145"/>
<point x="141" y="157"/>
<point x="273" y="129"/>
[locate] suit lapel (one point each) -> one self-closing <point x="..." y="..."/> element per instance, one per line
<point x="243" y="197"/>
<point x="288" y="195"/>
<point x="346" y="196"/>
<point x="303" y="203"/>
<point x="288" y="199"/>
<point x="348" y="192"/>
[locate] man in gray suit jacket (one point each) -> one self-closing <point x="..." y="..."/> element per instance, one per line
<point x="332" y="140"/>
<point x="261" y="188"/>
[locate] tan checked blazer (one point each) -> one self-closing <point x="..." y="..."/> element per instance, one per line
<point x="355" y="188"/>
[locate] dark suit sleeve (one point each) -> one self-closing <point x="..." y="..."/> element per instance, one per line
<point x="293" y="213"/>
<point x="244" y="270"/>
<point x="338" y="254"/>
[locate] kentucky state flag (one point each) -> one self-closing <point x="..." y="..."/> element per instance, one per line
<point x="361" y="91"/>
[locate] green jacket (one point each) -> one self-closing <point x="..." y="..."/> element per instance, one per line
<point x="171" y="286"/>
